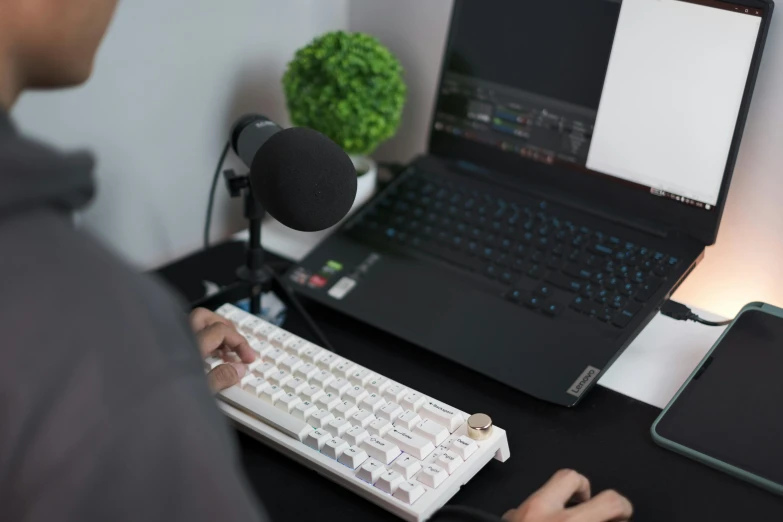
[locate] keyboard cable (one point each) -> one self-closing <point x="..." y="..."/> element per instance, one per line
<point x="680" y="312"/>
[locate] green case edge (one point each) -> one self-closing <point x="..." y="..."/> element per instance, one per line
<point x="701" y="457"/>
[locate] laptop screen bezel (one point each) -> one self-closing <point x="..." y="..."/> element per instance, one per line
<point x="598" y="192"/>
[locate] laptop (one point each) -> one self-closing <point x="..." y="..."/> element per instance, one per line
<point x="579" y="160"/>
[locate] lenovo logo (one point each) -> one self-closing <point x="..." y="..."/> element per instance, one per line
<point x="583" y="381"/>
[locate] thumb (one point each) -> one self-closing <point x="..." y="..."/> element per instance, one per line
<point x="225" y="376"/>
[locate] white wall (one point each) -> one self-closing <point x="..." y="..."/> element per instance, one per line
<point x="415" y="31"/>
<point x="747" y="262"/>
<point x="170" y="79"/>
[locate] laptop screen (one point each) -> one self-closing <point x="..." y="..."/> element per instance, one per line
<point x="644" y="93"/>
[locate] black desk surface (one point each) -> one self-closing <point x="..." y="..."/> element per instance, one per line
<point x="606" y="437"/>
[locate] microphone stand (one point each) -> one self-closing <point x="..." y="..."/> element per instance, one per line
<point x="255" y="277"/>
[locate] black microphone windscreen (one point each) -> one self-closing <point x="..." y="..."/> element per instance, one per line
<point x="304" y="179"/>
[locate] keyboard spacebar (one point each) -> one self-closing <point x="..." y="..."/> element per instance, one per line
<point x="266" y="413"/>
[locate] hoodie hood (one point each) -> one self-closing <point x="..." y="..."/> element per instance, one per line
<point x="33" y="175"/>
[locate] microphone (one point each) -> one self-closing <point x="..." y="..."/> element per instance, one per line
<point x="301" y="177"/>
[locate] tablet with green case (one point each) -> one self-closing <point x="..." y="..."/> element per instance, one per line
<point x="729" y="413"/>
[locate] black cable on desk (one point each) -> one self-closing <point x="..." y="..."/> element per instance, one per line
<point x="211" y="203"/>
<point x="680" y="312"/>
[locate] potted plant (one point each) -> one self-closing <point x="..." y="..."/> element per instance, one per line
<point x="349" y="87"/>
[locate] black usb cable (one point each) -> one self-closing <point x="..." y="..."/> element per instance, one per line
<point x="680" y="312"/>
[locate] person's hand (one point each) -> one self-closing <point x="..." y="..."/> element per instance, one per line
<point x="548" y="504"/>
<point x="218" y="336"/>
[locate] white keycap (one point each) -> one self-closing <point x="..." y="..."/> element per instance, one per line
<point x="432" y="431"/>
<point x="362" y="418"/>
<point x="410" y="442"/>
<point x="442" y="414"/>
<point x="355" y="394"/>
<point x="353" y="457"/>
<point x="361" y="376"/>
<point x="287" y="402"/>
<point x="406" y="466"/>
<point x="395" y="392"/>
<point x="265" y="330"/>
<point x="409" y="492"/>
<point x="280" y="377"/>
<point x="295" y="385"/>
<point x="271" y="393"/>
<point x="389" y="482"/>
<point x="311" y="393"/>
<point x="390" y="411"/>
<point x="311" y="354"/>
<point x="381" y="449"/>
<point x="373" y="403"/>
<point x="378" y="384"/>
<point x="246" y="379"/>
<point x="356" y="435"/>
<point x="464" y="447"/>
<point x="344" y="369"/>
<point x="334" y="448"/>
<point x="446" y="444"/>
<point x="338" y="427"/>
<point x="275" y="355"/>
<point x="413" y="401"/>
<point x="338" y="386"/>
<point x="297" y="346"/>
<point x="250" y="323"/>
<point x="230" y="312"/>
<point x="291" y="363"/>
<point x="433" y="457"/>
<point x="253" y="366"/>
<point x="345" y="409"/>
<point x="379" y="427"/>
<point x="266" y="370"/>
<point x="266" y="413"/>
<point x="432" y="475"/>
<point x="328" y="401"/>
<point x="210" y="363"/>
<point x="255" y="385"/>
<point x="450" y="461"/>
<point x="317" y="438"/>
<point x="263" y="348"/>
<point x="280" y="339"/>
<point x="328" y="360"/>
<point x="320" y="419"/>
<point x="303" y="410"/>
<point x="370" y="471"/>
<point x="322" y="378"/>
<point x="407" y="420"/>
<point x="306" y="371"/>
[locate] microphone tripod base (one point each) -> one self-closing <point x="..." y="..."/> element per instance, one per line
<point x="256" y="278"/>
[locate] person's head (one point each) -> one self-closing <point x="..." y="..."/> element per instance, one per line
<point x="49" y="43"/>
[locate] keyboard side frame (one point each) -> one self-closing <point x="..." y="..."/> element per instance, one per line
<point x="433" y="500"/>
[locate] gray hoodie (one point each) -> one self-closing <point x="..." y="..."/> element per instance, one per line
<point x="105" y="413"/>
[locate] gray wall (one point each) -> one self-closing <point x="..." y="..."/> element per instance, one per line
<point x="169" y="81"/>
<point x="745" y="265"/>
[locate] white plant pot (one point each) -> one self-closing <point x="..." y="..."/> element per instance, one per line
<point x="367" y="182"/>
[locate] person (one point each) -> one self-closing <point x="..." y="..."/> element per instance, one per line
<point x="105" y="413"/>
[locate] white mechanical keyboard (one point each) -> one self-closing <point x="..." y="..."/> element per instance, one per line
<point x="394" y="446"/>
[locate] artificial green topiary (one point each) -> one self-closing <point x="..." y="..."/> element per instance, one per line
<point x="349" y="87"/>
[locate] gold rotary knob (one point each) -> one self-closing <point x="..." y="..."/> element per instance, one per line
<point x="479" y="426"/>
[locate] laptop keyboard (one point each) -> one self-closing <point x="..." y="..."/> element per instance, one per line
<point x="514" y="243"/>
